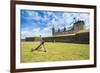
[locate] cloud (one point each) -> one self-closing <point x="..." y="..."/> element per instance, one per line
<point x="35" y="32"/>
<point x="35" y="22"/>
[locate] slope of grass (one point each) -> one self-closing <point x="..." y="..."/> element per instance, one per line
<point x="55" y="52"/>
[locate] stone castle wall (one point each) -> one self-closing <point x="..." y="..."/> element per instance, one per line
<point x="77" y="38"/>
<point x="77" y="26"/>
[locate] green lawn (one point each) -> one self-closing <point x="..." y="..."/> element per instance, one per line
<point x="55" y="52"/>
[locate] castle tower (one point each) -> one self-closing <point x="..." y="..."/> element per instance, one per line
<point x="64" y="29"/>
<point x="53" y="30"/>
<point x="58" y="29"/>
<point x="79" y="25"/>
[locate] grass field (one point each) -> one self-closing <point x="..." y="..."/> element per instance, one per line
<point x="55" y="52"/>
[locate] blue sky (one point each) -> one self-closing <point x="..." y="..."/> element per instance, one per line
<point x="36" y="22"/>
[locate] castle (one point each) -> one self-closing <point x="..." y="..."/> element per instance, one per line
<point x="77" y="26"/>
<point x="82" y="37"/>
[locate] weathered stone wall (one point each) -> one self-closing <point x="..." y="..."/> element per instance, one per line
<point x="82" y="37"/>
<point x="77" y="38"/>
<point x="30" y="39"/>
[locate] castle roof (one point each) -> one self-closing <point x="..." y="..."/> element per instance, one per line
<point x="78" y="22"/>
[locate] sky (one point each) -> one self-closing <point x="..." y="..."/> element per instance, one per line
<point x="39" y="22"/>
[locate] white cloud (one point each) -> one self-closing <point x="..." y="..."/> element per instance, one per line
<point x="46" y="31"/>
<point x="36" y="32"/>
<point x="58" y="21"/>
<point x="32" y="15"/>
